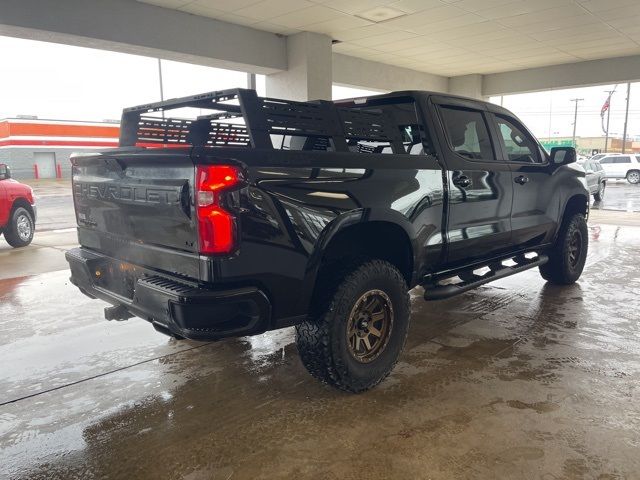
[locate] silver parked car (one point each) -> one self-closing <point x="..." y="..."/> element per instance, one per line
<point x="596" y="178"/>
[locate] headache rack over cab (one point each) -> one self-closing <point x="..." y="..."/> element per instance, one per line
<point x="239" y="118"/>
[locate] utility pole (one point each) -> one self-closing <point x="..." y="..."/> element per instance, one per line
<point x="626" y="118"/>
<point x="606" y="133"/>
<point x="161" y="86"/>
<point x="160" y="78"/>
<point x="575" y="118"/>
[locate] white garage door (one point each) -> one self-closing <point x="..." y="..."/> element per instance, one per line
<point x="46" y="162"/>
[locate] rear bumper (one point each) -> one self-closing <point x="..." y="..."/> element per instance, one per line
<point x="173" y="306"/>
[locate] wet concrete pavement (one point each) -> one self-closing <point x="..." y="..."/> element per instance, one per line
<point x="45" y="254"/>
<point x="55" y="204"/>
<point x="619" y="195"/>
<point x="517" y="379"/>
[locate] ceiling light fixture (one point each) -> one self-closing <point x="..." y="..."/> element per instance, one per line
<point x="380" y="14"/>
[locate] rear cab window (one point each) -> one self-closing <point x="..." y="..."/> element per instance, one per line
<point x="395" y="127"/>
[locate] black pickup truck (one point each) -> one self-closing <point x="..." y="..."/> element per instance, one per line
<point x="227" y="214"/>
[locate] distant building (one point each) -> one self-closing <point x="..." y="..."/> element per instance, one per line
<point x="585" y="145"/>
<point x="36" y="148"/>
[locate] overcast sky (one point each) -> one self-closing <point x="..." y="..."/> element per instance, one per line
<point x="550" y="113"/>
<point x="74" y="83"/>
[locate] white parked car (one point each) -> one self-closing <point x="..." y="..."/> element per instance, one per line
<point x="622" y="166"/>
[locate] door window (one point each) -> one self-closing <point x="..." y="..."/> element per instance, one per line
<point x="519" y="145"/>
<point x="606" y="160"/>
<point x="467" y="133"/>
<point x="622" y="160"/>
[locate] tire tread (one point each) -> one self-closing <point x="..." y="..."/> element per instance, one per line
<point x="314" y="338"/>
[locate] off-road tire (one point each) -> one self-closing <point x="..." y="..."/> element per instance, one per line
<point x="21" y="227"/>
<point x="599" y="195"/>
<point x="322" y="339"/>
<point x="560" y="269"/>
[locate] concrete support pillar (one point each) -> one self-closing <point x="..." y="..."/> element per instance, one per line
<point x="309" y="74"/>
<point x="467" y="86"/>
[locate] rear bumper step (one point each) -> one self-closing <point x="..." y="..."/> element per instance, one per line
<point x="436" y="291"/>
<point x="172" y="305"/>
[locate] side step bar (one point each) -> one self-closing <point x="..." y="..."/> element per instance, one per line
<point x="435" y="291"/>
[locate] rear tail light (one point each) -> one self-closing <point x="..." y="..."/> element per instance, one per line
<point x="216" y="225"/>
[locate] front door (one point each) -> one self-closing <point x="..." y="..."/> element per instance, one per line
<point x="532" y="219"/>
<point x="480" y="185"/>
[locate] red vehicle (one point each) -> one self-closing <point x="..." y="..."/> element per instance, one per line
<point x="17" y="210"/>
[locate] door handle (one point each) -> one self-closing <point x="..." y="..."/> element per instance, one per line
<point x="521" y="179"/>
<point x="462" y="181"/>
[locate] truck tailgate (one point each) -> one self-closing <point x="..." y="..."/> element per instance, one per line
<point x="138" y="207"/>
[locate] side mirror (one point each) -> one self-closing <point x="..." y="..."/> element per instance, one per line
<point x="5" y="171"/>
<point x="563" y="155"/>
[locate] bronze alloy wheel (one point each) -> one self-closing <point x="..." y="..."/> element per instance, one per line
<point x="575" y="248"/>
<point x="369" y="326"/>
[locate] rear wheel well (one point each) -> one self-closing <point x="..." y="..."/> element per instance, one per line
<point x="381" y="240"/>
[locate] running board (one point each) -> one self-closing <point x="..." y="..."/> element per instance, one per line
<point x="435" y="291"/>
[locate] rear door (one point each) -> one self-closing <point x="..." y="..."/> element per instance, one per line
<point x="479" y="183"/>
<point x="531" y="219"/>
<point x="621" y="165"/>
<point x="611" y="168"/>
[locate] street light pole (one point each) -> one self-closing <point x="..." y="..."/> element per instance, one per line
<point x="575" y="119"/>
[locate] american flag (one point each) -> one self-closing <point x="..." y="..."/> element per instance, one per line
<point x="605" y="107"/>
<point x="607" y="103"/>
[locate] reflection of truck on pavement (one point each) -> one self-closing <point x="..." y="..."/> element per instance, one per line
<point x="260" y="213"/>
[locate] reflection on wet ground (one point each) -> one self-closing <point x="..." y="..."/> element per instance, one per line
<point x="619" y="195"/>
<point x="518" y="379"/>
